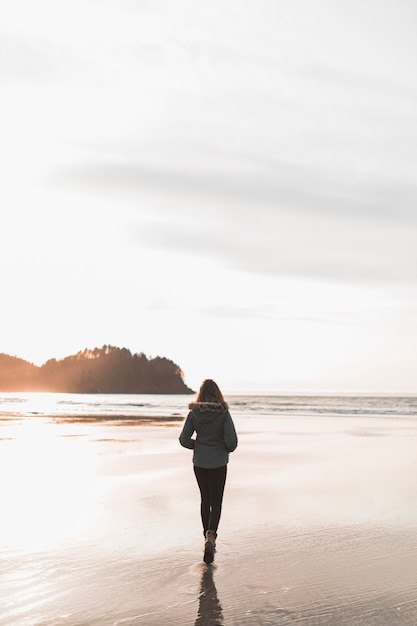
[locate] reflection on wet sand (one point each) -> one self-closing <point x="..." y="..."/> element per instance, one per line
<point x="209" y="607"/>
<point x="118" y="420"/>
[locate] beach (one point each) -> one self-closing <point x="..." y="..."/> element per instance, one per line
<point x="100" y="521"/>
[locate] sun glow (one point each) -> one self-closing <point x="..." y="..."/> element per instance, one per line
<point x="46" y="497"/>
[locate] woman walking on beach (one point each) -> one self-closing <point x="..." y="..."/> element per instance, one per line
<point x="210" y="419"/>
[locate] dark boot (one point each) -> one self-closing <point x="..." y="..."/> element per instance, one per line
<point x="209" y="546"/>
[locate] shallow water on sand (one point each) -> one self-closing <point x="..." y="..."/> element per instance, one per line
<point x="100" y="525"/>
<point x="358" y="576"/>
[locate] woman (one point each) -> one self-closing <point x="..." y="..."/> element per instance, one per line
<point x="209" y="417"/>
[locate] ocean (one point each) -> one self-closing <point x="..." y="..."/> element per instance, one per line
<point x="171" y="407"/>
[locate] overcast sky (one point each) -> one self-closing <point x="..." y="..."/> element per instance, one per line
<point x="231" y="184"/>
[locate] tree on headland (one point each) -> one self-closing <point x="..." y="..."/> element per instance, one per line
<point x="102" y="370"/>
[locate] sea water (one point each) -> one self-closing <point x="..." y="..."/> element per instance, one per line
<point x="118" y="406"/>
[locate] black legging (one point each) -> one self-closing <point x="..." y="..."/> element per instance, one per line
<point x="211" y="483"/>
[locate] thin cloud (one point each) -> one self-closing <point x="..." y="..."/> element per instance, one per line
<point x="350" y="251"/>
<point x="285" y="228"/>
<point x="267" y="183"/>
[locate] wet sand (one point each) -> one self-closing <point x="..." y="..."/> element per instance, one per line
<point x="100" y="525"/>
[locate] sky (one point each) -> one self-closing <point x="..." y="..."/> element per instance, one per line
<point x="229" y="184"/>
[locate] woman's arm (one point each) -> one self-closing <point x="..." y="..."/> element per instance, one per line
<point x="186" y="434"/>
<point x="230" y="436"/>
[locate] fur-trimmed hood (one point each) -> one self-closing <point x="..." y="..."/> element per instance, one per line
<point x="212" y="407"/>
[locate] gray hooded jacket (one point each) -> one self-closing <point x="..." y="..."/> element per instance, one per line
<point x="216" y="434"/>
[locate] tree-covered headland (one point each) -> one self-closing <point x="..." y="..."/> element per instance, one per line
<point x="102" y="370"/>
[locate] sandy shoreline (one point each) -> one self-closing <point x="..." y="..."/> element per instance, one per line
<point x="319" y="526"/>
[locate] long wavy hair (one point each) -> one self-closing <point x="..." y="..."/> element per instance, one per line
<point x="210" y="392"/>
